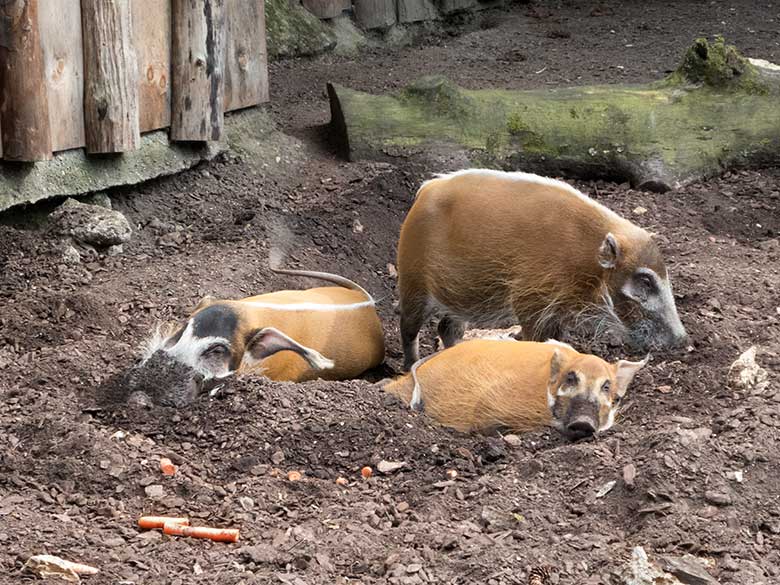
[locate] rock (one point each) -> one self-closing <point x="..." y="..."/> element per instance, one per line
<point x="90" y="224"/>
<point x="100" y="199"/>
<point x="640" y="571"/>
<point x="495" y="520"/>
<point x="688" y="569"/>
<point x="629" y="476"/>
<point x="513" y="440"/>
<point x="718" y="497"/>
<point x="746" y="374"/>
<point x="389" y="466"/>
<point x="277" y="457"/>
<point x="70" y="255"/>
<point x="605" y="489"/>
<point x="154" y="491"/>
<point x="264" y="554"/>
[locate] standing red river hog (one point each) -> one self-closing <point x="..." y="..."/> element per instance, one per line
<point x="329" y="332"/>
<point x="486" y="247"/>
<point x="485" y="385"/>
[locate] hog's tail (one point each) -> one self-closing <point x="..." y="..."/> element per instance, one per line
<point x="326" y="276"/>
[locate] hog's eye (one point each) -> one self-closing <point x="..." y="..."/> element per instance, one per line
<point x="605" y="387"/>
<point x="646" y="282"/>
<point x="216" y="350"/>
<point x="571" y="379"/>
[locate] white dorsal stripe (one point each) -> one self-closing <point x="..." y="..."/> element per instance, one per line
<point x="309" y="306"/>
<point x="528" y="178"/>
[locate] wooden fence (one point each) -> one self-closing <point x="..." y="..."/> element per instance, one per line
<point x="97" y="73"/>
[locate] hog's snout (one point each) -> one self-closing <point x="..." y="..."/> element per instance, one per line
<point x="580" y="428"/>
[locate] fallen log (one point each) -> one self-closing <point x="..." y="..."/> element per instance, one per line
<point x="718" y="110"/>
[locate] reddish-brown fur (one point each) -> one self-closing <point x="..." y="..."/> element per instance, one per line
<point x="484" y="247"/>
<point x="483" y="384"/>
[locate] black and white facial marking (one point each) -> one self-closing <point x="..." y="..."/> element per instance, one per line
<point x="645" y="294"/>
<point x="584" y="396"/>
<point x="207" y="350"/>
<point x="659" y="325"/>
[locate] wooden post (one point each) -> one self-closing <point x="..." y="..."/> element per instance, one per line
<point x="324" y="8"/>
<point x="246" y="56"/>
<point x="24" y="104"/>
<point x="371" y="14"/>
<point x="198" y="63"/>
<point x="110" y="77"/>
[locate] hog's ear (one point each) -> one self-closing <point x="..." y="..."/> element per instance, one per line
<point x="205" y="302"/>
<point x="556" y="365"/>
<point x="625" y="371"/>
<point x="609" y="252"/>
<point x="269" y="341"/>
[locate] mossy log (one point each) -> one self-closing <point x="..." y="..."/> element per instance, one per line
<point x="718" y="110"/>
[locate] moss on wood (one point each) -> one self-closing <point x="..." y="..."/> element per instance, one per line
<point x="657" y="135"/>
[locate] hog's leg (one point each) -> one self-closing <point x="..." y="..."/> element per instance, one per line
<point x="451" y="330"/>
<point x="414" y="312"/>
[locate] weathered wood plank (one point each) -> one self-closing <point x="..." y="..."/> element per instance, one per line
<point x="63" y="58"/>
<point x="453" y="6"/>
<point x="371" y="14"/>
<point x="324" y="8"/>
<point x="24" y="105"/>
<point x="246" y="64"/>
<point x="198" y="64"/>
<point x="111" y="77"/>
<point x="152" y="39"/>
<point x="416" y="10"/>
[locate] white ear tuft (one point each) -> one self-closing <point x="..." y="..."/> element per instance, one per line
<point x="625" y="371"/>
<point x="609" y="252"/>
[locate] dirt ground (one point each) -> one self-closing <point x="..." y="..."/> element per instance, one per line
<point x="75" y="474"/>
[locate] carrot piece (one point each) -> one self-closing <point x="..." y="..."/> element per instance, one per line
<point x="217" y="534"/>
<point x="366" y="472"/>
<point x="294" y="476"/>
<point x="147" y="522"/>
<point x="167" y="466"/>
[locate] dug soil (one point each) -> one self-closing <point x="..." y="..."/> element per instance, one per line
<point x="691" y="468"/>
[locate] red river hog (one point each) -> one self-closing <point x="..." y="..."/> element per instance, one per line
<point x="485" y="385"/>
<point x="485" y="247"/>
<point x="330" y="332"/>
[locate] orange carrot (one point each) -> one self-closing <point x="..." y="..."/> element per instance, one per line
<point x="342" y="481"/>
<point x="167" y="466"/>
<point x="217" y="534"/>
<point x="366" y="472"/>
<point x="294" y="476"/>
<point x="147" y="522"/>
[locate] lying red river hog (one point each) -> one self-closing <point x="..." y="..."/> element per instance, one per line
<point x="329" y="332"/>
<point x="486" y="247"/>
<point x="487" y="384"/>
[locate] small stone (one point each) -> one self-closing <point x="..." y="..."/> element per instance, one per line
<point x="402" y="507"/>
<point x="639" y="210"/>
<point x="413" y="568"/>
<point x="718" y="498"/>
<point x="71" y="255"/>
<point x="629" y="476"/>
<point x="246" y="503"/>
<point x="389" y="466"/>
<point x="154" y="491"/>
<point x="688" y="569"/>
<point x="277" y="457"/>
<point x="513" y="440"/>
